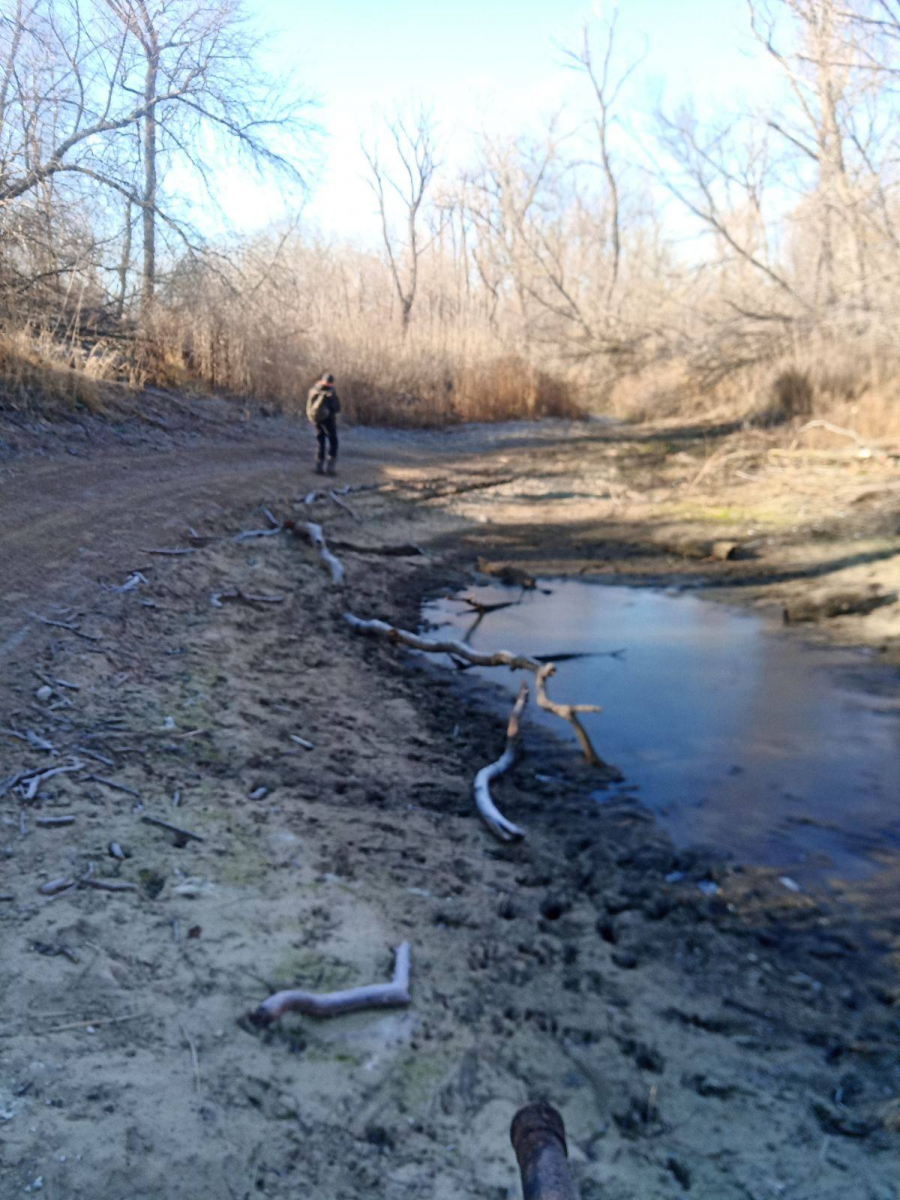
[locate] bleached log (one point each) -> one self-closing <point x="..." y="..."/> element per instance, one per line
<point x="567" y="712"/>
<point x="317" y="540"/>
<point x="499" y="826"/>
<point x="329" y="1004"/>
<point x="499" y="658"/>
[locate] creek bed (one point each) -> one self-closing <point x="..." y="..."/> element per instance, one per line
<point x="736" y="733"/>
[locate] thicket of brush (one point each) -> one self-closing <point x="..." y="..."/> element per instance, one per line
<point x="557" y="275"/>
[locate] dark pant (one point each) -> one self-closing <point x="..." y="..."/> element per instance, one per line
<point x="327" y="429"/>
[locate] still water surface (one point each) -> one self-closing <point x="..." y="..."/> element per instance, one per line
<point x="739" y="735"/>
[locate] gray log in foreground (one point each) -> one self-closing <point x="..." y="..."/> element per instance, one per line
<point x="376" y="995"/>
<point x="539" y="1140"/>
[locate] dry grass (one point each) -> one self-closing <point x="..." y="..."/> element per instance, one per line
<point x="35" y="370"/>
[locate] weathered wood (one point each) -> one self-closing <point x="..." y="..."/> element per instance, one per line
<point x="177" y="830"/>
<point x="499" y="658"/>
<point x="329" y="1004"/>
<point x="570" y="713"/>
<point x="499" y="826"/>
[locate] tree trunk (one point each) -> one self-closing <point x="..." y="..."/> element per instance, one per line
<point x="148" y="279"/>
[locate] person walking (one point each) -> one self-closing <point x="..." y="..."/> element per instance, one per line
<point x="322" y="408"/>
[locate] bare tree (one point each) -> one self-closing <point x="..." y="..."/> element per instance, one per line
<point x="405" y="174"/>
<point x="78" y="79"/>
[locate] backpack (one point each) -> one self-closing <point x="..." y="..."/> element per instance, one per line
<point x="319" y="407"/>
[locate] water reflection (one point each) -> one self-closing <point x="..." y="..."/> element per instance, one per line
<point x="736" y="733"/>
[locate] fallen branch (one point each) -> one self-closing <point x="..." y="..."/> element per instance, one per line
<point x="317" y="541"/>
<point x="256" y="533"/>
<point x="490" y="814"/>
<point x="34" y="779"/>
<point x="116" y="787"/>
<point x="184" y="834"/>
<point x="567" y="712"/>
<point x="335" y="498"/>
<point x="499" y="658"/>
<point x="376" y="995"/>
<point x="217" y="599"/>
<point x="88" y="637"/>
<point x="108" y="885"/>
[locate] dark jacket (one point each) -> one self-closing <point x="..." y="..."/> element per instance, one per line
<point x="330" y="408"/>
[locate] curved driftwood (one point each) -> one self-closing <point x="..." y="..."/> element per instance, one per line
<point x="329" y="1004"/>
<point x="500" y="658"/>
<point x="499" y="826"/>
<point x="317" y="541"/>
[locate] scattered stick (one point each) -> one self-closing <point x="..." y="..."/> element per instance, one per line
<point x="116" y="851"/>
<point x="116" y="787"/>
<point x="54" y="822"/>
<point x="333" y="495"/>
<point x="95" y="1024"/>
<point x="275" y="522"/>
<point x="256" y="533"/>
<point x="195" y="1060"/>
<point x="49" y="679"/>
<point x="36" y="778"/>
<point x="101" y="758"/>
<point x="6" y="897"/>
<point x="181" y="833"/>
<point x="134" y="580"/>
<point x="301" y="742"/>
<point x="217" y="599"/>
<point x="499" y="826"/>
<point x="310" y="497"/>
<point x="108" y="885"/>
<point x="90" y="637"/>
<point x="170" y="553"/>
<point x="500" y="658"/>
<point x="317" y="540"/>
<point x="330" y="1004"/>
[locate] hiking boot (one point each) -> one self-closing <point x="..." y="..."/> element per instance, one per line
<point x="330" y="468"/>
<point x="320" y="470"/>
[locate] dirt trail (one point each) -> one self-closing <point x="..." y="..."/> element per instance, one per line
<point x="731" y="1041"/>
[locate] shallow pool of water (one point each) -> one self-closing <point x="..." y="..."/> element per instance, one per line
<point x="739" y="735"/>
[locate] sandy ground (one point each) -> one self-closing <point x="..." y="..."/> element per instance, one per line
<point x="729" y="1042"/>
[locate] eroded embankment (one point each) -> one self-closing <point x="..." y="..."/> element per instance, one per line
<point x="730" y="1044"/>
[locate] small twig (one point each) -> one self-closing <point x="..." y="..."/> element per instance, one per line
<point x="376" y="995"/>
<point x="195" y="1060"/>
<point x="344" y="505"/>
<point x="95" y="1024"/>
<point x="401" y="550"/>
<point x="276" y="523"/>
<point x="317" y="540"/>
<point x="116" y="787"/>
<point x="182" y="833"/>
<point x="301" y="742"/>
<point x="255" y="533"/>
<point x="171" y="553"/>
<point x="49" y="679"/>
<point x="53" y="822"/>
<point x="101" y="758"/>
<point x="54" y="887"/>
<point x="90" y="637"/>
<point x="108" y="885"/>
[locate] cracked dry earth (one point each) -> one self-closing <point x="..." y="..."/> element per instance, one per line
<point x="734" y="1046"/>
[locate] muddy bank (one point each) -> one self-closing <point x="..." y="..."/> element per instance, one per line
<point x="710" y="1033"/>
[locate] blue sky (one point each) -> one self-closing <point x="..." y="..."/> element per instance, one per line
<point x="494" y="65"/>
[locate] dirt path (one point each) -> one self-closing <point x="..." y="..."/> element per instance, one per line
<point x="706" y="1032"/>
